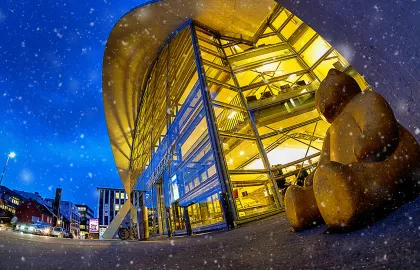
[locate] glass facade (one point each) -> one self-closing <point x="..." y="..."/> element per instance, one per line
<point x="225" y="123"/>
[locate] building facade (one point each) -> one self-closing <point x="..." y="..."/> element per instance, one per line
<point x="110" y="202"/>
<point x="9" y="201"/>
<point x="69" y="216"/>
<point x="32" y="211"/>
<point x="85" y="214"/>
<point x="222" y="120"/>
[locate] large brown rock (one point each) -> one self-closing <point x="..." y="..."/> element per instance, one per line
<point x="369" y="162"/>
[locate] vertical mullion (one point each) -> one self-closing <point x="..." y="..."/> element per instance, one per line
<point x="229" y="208"/>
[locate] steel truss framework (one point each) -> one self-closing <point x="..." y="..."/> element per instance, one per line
<point x="223" y="119"/>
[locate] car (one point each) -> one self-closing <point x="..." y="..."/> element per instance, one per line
<point x="37" y="230"/>
<point x="28" y="228"/>
<point x="58" y="232"/>
<point x="42" y="230"/>
<point x="46" y="230"/>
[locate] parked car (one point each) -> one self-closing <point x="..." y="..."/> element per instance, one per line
<point x="58" y="232"/>
<point x="38" y="229"/>
<point x="42" y="230"/>
<point x="26" y="228"/>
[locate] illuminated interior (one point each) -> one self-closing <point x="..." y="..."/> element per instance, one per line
<point x="260" y="99"/>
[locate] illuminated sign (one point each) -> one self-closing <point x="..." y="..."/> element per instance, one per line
<point x="161" y="167"/>
<point x="106" y="210"/>
<point x="93" y="225"/>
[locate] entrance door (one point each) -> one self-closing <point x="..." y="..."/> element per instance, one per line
<point x="177" y="217"/>
<point x="160" y="205"/>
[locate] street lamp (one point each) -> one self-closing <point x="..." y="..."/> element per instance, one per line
<point x="9" y="156"/>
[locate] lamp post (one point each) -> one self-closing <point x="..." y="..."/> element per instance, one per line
<point x="9" y="156"/>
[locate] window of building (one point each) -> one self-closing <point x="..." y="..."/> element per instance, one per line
<point x="206" y="212"/>
<point x="15" y="200"/>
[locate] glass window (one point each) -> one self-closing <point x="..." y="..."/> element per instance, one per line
<point x="291" y="27"/>
<point x="280" y="91"/>
<point x="281" y="18"/>
<point x="281" y="124"/>
<point x="207" y="211"/>
<point x="302" y="38"/>
<point x="269" y="72"/>
<point x="232" y="120"/>
<point x="241" y="153"/>
<point x="333" y="60"/>
<point x="226" y="95"/>
<point x="315" y="51"/>
<point x="200" y="130"/>
<point x="253" y="194"/>
<point x="293" y="145"/>
<point x="259" y="56"/>
<point x="189" y="175"/>
<point x="268" y="40"/>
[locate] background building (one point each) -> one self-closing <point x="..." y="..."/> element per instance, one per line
<point x="68" y="214"/>
<point x="110" y="202"/>
<point x="9" y="201"/>
<point x="31" y="195"/>
<point x="32" y="211"/>
<point x="85" y="214"/>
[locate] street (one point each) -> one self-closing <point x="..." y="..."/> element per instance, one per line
<point x="265" y="244"/>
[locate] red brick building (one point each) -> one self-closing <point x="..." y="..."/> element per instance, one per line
<point x="32" y="211"/>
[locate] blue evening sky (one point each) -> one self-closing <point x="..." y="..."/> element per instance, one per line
<point x="51" y="109"/>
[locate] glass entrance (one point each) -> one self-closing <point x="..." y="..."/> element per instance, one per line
<point x="160" y="208"/>
<point x="156" y="210"/>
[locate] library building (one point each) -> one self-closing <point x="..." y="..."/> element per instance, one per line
<point x="210" y="108"/>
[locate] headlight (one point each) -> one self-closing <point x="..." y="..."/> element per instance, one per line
<point x="30" y="229"/>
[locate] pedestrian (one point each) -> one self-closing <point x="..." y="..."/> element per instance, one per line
<point x="300" y="179"/>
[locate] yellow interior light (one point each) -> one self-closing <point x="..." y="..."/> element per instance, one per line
<point x="232" y="115"/>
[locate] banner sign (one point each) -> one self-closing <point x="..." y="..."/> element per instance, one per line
<point x="93" y="225"/>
